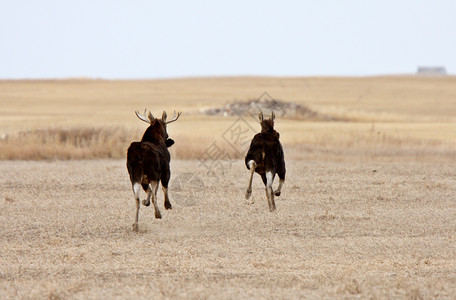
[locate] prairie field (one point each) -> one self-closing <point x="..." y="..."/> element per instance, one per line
<point x="367" y="210"/>
<point x="387" y="117"/>
<point x="380" y="230"/>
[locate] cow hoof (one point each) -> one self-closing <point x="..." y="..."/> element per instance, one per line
<point x="135" y="227"/>
<point x="248" y="193"/>
<point x="158" y="216"/>
<point x="277" y="193"/>
<point x="168" y="206"/>
<point x="146" y="203"/>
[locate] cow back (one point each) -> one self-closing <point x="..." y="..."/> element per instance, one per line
<point x="146" y="161"/>
<point x="267" y="152"/>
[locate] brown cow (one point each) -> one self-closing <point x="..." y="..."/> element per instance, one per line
<point x="148" y="162"/>
<point x="265" y="156"/>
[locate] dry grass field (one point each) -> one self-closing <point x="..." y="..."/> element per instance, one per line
<point x="77" y="119"/>
<point x="342" y="230"/>
<point x="368" y="209"/>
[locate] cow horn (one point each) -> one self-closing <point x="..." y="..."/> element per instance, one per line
<point x="175" y="117"/>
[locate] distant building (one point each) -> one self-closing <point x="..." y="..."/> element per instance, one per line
<point x="432" y="71"/>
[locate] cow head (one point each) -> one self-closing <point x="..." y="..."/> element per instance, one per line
<point x="157" y="127"/>
<point x="267" y="125"/>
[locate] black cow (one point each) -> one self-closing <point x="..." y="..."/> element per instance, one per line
<point x="148" y="162"/>
<point x="265" y="156"/>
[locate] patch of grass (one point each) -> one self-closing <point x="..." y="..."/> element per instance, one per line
<point x="342" y="141"/>
<point x="73" y="143"/>
<point x="87" y="119"/>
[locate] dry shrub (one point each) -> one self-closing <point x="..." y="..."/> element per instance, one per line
<point x="73" y="143"/>
<point x="113" y="142"/>
<point x="92" y="143"/>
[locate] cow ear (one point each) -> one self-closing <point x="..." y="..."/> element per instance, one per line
<point x="169" y="142"/>
<point x="164" y="117"/>
<point x="272" y="116"/>
<point x="260" y="116"/>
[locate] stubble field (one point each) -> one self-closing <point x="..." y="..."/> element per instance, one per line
<point x="341" y="230"/>
<point x="368" y="209"/>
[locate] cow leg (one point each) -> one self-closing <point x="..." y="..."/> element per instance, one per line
<point x="265" y="181"/>
<point x="281" y="173"/>
<point x="269" y="193"/>
<point x="252" y="166"/>
<point x="146" y="188"/>
<point x="164" y="182"/>
<point x="279" y="189"/>
<point x="136" y="189"/>
<point x="154" y="185"/>
<point x="167" y="203"/>
<point x="270" y="197"/>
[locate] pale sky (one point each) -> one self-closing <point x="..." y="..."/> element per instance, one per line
<point x="164" y="39"/>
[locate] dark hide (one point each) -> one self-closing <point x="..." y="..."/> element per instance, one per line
<point x="265" y="156"/>
<point x="266" y="150"/>
<point x="148" y="163"/>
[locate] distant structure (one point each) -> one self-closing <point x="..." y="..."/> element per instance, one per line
<point x="431" y="71"/>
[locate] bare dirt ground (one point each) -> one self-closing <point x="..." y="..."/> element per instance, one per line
<point x="342" y="230"/>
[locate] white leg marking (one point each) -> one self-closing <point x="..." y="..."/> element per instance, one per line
<point x="252" y="166"/>
<point x="269" y="193"/>
<point x="154" y="185"/>
<point x="269" y="179"/>
<point x="136" y="189"/>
